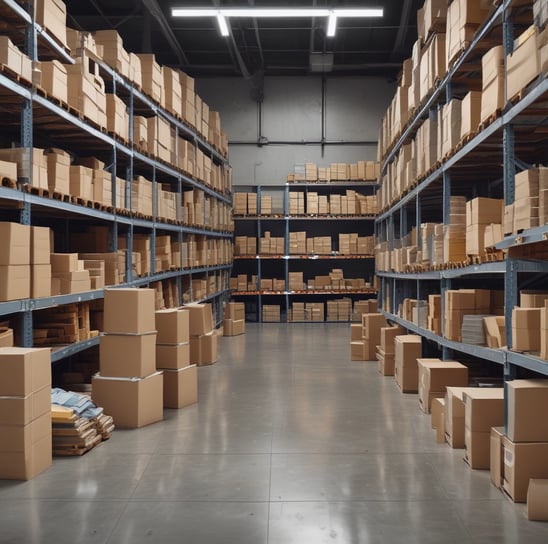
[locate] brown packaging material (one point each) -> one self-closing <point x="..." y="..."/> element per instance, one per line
<point x="537" y="500"/>
<point x="173" y="326"/>
<point x="24" y="370"/>
<point x="129" y="311"/>
<point x="181" y="387"/>
<point x="526" y="400"/>
<point x="173" y="357"/>
<point x="127" y="355"/>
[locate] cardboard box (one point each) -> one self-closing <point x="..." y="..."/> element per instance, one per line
<point x="40" y="246"/>
<point x="15" y="243"/>
<point x="132" y="402"/>
<point x="127" y="355"/>
<point x="129" y="311"/>
<point x="52" y="15"/>
<point x="201" y="318"/>
<point x="173" y="326"/>
<point x="496" y="461"/>
<point x="26" y="465"/>
<point x="54" y="79"/>
<point x="470" y="113"/>
<point x="209" y="348"/>
<point x="526" y="400"/>
<point x="19" y="438"/>
<point x="14" y="282"/>
<point x="523" y="65"/>
<point x="438" y="418"/>
<point x="40" y="277"/>
<point x="356" y="332"/>
<point x="454" y="416"/>
<point x="233" y="327"/>
<point x="235" y="310"/>
<point x="172" y="356"/>
<point x="23" y="410"/>
<point x="435" y="375"/>
<point x="408" y="349"/>
<point x="526" y="329"/>
<point x="483" y="408"/>
<point x="359" y="350"/>
<point x="6" y="337"/>
<point x="523" y="461"/>
<point x="181" y="387"/>
<point x="24" y="370"/>
<point x="537" y="500"/>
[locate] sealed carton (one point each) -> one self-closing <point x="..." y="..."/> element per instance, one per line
<point x="435" y="375"/>
<point x="129" y="311"/>
<point x="496" y="460"/>
<point x="526" y="400"/>
<point x="172" y="356"/>
<point x="127" y="355"/>
<point x="24" y="370"/>
<point x="173" y="326"/>
<point x="181" y="387"/>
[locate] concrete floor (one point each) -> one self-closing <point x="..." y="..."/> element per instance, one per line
<point x="290" y="443"/>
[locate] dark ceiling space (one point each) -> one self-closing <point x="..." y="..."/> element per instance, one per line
<point x="256" y="47"/>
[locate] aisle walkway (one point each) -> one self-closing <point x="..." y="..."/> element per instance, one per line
<point x="290" y="443"/>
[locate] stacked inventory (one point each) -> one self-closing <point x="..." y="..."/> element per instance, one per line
<point x="25" y="418"/>
<point x="173" y="358"/>
<point x="129" y="387"/>
<point x="234" y="320"/>
<point x="203" y="338"/>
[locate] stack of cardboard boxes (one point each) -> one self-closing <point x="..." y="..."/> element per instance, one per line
<point x="434" y="313"/>
<point x="454" y="234"/>
<point x="296" y="203"/>
<point x="173" y="358"/>
<point x="271" y="313"/>
<point x="234" y="321"/>
<point x="365" y="348"/>
<point x="386" y="355"/>
<point x="434" y="377"/>
<point x="69" y="274"/>
<point x="129" y="387"/>
<point x="480" y="213"/>
<point x="203" y="339"/>
<point x="25" y="418"/>
<point x="408" y="348"/>
<point x="463" y="302"/>
<point x="15" y="258"/>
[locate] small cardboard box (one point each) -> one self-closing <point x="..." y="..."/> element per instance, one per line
<point x="527" y="399"/>
<point x="23" y="410"/>
<point x="129" y="311"/>
<point x="172" y="356"/>
<point x="127" y="355"/>
<point x="523" y="461"/>
<point x="173" y="326"/>
<point x="201" y="318"/>
<point x="435" y="375"/>
<point x="233" y="327"/>
<point x="132" y="402"/>
<point x="181" y="387"/>
<point x="24" y="370"/>
<point x="209" y="347"/>
<point x="526" y="329"/>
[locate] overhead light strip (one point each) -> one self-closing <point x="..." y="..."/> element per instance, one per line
<point x="331" y="25"/>
<point x="277" y="12"/>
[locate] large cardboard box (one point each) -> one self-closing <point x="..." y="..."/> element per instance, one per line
<point x="235" y="310"/>
<point x="129" y="311"/>
<point x="26" y="465"/>
<point x="19" y="438"/>
<point x="58" y="170"/>
<point x="132" y="402"/>
<point x="527" y="399"/>
<point x="454" y="416"/>
<point x="526" y="329"/>
<point x="53" y="79"/>
<point x="172" y="356"/>
<point x="537" y="497"/>
<point x="496" y="461"/>
<point x="18" y="410"/>
<point x="173" y="326"/>
<point x="52" y="15"/>
<point x="181" y="387"/>
<point x="523" y="65"/>
<point x="24" y="370"/>
<point x="523" y="461"/>
<point x="40" y="277"/>
<point x="233" y="327"/>
<point x="14" y="282"/>
<point x="201" y="318"/>
<point x="40" y="245"/>
<point x="435" y="375"/>
<point x="127" y="355"/>
<point x="408" y="348"/>
<point x="15" y="243"/>
<point x="470" y="113"/>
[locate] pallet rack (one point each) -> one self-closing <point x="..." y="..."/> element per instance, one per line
<point x="501" y="139"/>
<point x="282" y="222"/>
<point x="72" y="131"/>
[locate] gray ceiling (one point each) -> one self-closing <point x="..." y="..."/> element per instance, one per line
<point x="256" y="47"/>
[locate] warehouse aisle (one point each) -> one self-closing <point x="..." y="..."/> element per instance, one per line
<point x="290" y="442"/>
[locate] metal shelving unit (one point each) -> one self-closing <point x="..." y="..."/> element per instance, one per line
<point x="283" y="223"/>
<point x="36" y="112"/>
<point x="430" y="196"/>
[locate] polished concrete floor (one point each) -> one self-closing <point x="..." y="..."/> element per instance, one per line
<point x="290" y="443"/>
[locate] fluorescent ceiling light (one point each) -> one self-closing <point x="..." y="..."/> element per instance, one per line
<point x="358" y="13"/>
<point x="223" y="26"/>
<point x="276" y="12"/>
<point x="331" y="25"/>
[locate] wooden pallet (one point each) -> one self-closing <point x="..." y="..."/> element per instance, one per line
<point x="9" y="183"/>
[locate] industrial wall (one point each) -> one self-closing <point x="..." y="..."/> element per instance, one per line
<point x="296" y="114"/>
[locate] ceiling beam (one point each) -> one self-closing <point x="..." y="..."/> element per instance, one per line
<point x="257" y="36"/>
<point x="154" y="9"/>
<point x="402" y="30"/>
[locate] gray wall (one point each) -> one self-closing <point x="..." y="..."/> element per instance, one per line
<point x="292" y="116"/>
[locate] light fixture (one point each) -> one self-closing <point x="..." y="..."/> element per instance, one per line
<point x="331" y="25"/>
<point x="224" y="14"/>
<point x="223" y="26"/>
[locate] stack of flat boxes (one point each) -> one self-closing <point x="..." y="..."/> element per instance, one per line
<point x="434" y="377"/>
<point x="129" y="387"/>
<point x="312" y="203"/>
<point x="296" y="203"/>
<point x="297" y="243"/>
<point x="531" y="190"/>
<point x="408" y="348"/>
<point x="434" y="313"/>
<point x="314" y="311"/>
<point x="526" y="444"/>
<point x="204" y="342"/>
<point x="16" y="60"/>
<point x="172" y="91"/>
<point x="335" y="206"/>
<point x="163" y="252"/>
<point x="271" y="313"/>
<point x="173" y="358"/>
<point x="298" y="311"/>
<point x="480" y="213"/>
<point x="234" y="320"/>
<point x="117" y="117"/>
<point x="15" y="258"/>
<point x="296" y="281"/>
<point x="492" y="94"/>
<point x="151" y="77"/>
<point x="311" y="172"/>
<point x="483" y="409"/>
<point x="159" y="138"/>
<point x="266" y="205"/>
<point x="454" y="236"/>
<point x="252" y="203"/>
<point x="323" y="205"/>
<point x="58" y="163"/>
<point x="451" y="127"/>
<point x="25" y="418"/>
<point x="114" y="53"/>
<point x="386" y="355"/>
<point x="361" y="307"/>
<point x="240" y="203"/>
<point x="68" y="274"/>
<point x="463" y="302"/>
<point x="320" y="245"/>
